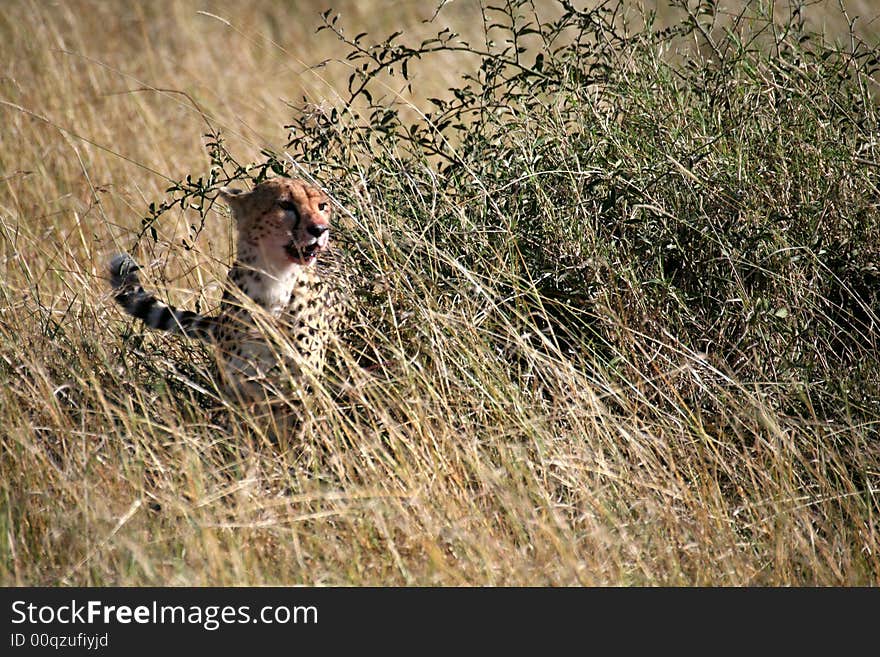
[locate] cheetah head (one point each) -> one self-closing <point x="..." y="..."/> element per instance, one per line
<point x="284" y="221"/>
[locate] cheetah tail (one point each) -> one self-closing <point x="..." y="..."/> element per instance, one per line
<point x="141" y="304"/>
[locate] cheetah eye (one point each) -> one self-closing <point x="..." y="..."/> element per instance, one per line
<point x="288" y="206"/>
<point x="322" y="207"/>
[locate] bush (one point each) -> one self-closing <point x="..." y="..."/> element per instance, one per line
<point x="704" y="192"/>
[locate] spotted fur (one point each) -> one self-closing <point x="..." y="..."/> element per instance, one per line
<point x="277" y="311"/>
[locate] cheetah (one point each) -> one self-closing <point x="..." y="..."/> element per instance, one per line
<point x="277" y="312"/>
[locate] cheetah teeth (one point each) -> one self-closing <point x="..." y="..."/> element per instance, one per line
<point x="303" y="252"/>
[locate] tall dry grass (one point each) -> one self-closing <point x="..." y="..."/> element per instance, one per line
<point x="481" y="450"/>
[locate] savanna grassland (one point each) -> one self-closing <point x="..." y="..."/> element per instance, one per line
<point x="616" y="278"/>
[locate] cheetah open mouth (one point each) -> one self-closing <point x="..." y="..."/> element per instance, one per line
<point x="302" y="253"/>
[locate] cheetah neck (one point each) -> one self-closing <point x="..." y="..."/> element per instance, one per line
<point x="272" y="291"/>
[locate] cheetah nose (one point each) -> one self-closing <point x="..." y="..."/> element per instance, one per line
<point x="317" y="230"/>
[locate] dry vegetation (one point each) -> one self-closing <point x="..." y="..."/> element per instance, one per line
<point x="620" y="330"/>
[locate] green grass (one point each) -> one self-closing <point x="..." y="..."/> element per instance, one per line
<point x="616" y="315"/>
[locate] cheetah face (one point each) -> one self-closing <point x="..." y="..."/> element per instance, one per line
<point x="309" y="230"/>
<point x="286" y="221"/>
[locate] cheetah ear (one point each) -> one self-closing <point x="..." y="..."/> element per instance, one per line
<point x="231" y="194"/>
